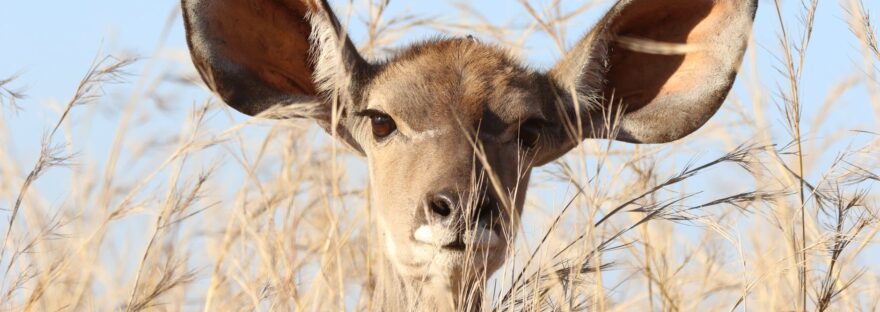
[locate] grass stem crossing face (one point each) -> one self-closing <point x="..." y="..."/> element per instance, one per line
<point x="452" y="128"/>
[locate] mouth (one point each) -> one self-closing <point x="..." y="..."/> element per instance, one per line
<point x="457" y="245"/>
<point x="480" y="238"/>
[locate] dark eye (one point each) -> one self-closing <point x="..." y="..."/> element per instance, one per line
<point x="383" y="125"/>
<point x="530" y="134"/>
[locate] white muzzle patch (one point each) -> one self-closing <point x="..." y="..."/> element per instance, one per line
<point x="479" y="238"/>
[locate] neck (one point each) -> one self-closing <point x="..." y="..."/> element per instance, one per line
<point x="394" y="292"/>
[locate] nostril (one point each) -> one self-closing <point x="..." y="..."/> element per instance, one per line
<point x="488" y="208"/>
<point x="441" y="206"/>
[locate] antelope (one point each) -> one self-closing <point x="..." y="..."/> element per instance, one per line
<point x="451" y="128"/>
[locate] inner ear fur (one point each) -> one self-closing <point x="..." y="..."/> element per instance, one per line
<point x="256" y="54"/>
<point x="290" y="54"/>
<point x="658" y="69"/>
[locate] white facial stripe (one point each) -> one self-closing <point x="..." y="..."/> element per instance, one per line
<point x="431" y="134"/>
<point x="427" y="134"/>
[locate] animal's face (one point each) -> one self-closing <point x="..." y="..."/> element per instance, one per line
<point x="451" y="132"/>
<point x="452" y="128"/>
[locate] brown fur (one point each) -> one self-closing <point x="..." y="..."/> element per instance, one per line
<point x="464" y="78"/>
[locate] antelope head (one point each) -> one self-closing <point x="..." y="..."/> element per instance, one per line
<point x="451" y="128"/>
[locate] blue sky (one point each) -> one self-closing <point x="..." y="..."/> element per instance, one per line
<point x="52" y="43"/>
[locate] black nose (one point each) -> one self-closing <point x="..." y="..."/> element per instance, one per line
<point x="441" y="205"/>
<point x="446" y="206"/>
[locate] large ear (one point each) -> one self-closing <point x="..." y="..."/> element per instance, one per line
<point x="256" y="54"/>
<point x="658" y="69"/>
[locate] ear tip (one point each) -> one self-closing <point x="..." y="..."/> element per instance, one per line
<point x="749" y="7"/>
<point x="753" y="4"/>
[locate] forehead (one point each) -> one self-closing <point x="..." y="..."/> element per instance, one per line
<point x="436" y="81"/>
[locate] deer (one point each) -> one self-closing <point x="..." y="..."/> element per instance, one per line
<point x="451" y="128"/>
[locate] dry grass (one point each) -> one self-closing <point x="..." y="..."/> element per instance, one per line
<point x="273" y="216"/>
